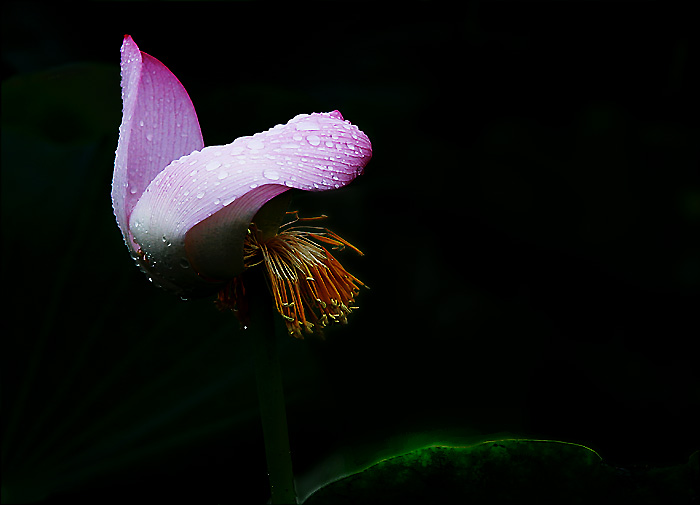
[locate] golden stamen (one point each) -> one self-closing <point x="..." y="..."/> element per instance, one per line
<point x="309" y="286"/>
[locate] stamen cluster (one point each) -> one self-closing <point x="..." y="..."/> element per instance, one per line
<point x="311" y="289"/>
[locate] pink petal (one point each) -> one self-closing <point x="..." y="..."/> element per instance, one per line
<point x="159" y="125"/>
<point x="191" y="220"/>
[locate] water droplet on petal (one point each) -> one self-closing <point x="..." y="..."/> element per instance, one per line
<point x="255" y="144"/>
<point x="271" y="174"/>
<point x="200" y="194"/>
<point x="222" y="176"/>
<point x="314" y="140"/>
<point x="149" y="136"/>
<point x="213" y="165"/>
<point x="307" y="125"/>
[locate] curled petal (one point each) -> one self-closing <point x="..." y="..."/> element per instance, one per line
<point x="191" y="220"/>
<point x="159" y="125"/>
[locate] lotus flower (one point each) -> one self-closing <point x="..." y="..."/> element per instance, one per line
<point x="191" y="215"/>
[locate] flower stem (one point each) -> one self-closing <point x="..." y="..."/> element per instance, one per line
<point x="270" y="391"/>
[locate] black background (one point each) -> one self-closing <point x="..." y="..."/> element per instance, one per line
<point x="529" y="218"/>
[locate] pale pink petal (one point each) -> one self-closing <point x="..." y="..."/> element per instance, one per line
<point x="191" y="219"/>
<point x="159" y="125"/>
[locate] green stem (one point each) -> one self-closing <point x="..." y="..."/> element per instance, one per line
<point x="270" y="392"/>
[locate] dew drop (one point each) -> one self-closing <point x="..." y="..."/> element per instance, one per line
<point x="271" y="174"/>
<point x="149" y="136"/>
<point x="184" y="263"/>
<point x="200" y="194"/>
<point x="140" y="123"/>
<point x="329" y="143"/>
<point x="213" y="165"/>
<point x="314" y="140"/>
<point x="307" y="126"/>
<point x="297" y="137"/>
<point x="255" y="144"/>
<point x="222" y="176"/>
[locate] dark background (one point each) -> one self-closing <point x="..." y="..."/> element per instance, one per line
<point x="529" y="218"/>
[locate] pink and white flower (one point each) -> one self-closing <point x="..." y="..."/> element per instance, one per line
<point x="185" y="210"/>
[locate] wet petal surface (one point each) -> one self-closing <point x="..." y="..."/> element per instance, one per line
<point x="159" y="125"/>
<point x="195" y="212"/>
